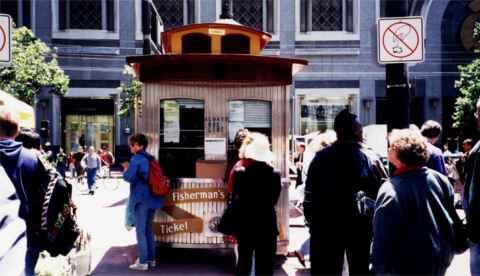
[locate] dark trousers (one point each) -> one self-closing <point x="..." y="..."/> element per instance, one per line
<point x="327" y="252"/>
<point x="264" y="247"/>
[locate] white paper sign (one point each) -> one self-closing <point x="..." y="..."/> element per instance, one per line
<point x="237" y="111"/>
<point x="375" y="137"/>
<point x="171" y="111"/>
<point x="215" y="148"/>
<point x="171" y="132"/>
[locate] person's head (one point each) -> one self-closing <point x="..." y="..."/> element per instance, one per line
<point x="60" y="150"/>
<point x="347" y="127"/>
<point x="301" y="147"/>
<point x="239" y="137"/>
<point x="259" y="148"/>
<point x="408" y="149"/>
<point x="91" y="150"/>
<point x="431" y="130"/>
<point x="138" y="142"/>
<point x="80" y="149"/>
<point x="467" y="145"/>
<point x="9" y="126"/>
<point x="29" y="139"/>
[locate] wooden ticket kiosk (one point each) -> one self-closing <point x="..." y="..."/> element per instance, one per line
<point x="210" y="82"/>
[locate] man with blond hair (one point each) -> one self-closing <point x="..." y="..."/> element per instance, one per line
<point x="23" y="168"/>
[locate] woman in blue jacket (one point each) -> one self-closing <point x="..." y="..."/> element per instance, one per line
<point x="141" y="202"/>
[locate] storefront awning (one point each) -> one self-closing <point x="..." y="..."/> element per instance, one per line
<point x="23" y="111"/>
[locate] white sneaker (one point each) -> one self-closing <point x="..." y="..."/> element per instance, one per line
<point x="138" y="266"/>
<point x="153" y="264"/>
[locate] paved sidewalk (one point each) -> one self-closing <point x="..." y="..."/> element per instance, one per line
<point x="114" y="248"/>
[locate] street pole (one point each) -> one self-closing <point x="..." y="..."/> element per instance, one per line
<point x="397" y="82"/>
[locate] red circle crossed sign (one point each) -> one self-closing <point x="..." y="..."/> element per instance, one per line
<point x="3" y="38"/>
<point x="406" y="38"/>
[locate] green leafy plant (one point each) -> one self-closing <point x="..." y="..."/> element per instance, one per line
<point x="469" y="87"/>
<point x="33" y="67"/>
<point x="131" y="90"/>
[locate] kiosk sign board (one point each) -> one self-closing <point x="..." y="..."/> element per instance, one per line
<point x="400" y="40"/>
<point x="5" y="39"/>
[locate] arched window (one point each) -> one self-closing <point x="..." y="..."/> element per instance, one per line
<point x="196" y="43"/>
<point x="235" y="44"/>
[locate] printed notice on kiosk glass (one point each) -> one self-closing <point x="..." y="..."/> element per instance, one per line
<point x="171" y="122"/>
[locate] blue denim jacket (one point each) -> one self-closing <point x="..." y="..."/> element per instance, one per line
<point x="137" y="176"/>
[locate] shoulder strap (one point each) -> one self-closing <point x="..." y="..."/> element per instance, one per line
<point x="46" y="201"/>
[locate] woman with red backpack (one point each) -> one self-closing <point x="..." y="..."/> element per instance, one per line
<point x="142" y="203"/>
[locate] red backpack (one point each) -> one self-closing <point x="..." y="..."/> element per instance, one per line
<point x="158" y="182"/>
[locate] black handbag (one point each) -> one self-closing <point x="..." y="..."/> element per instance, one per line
<point x="228" y="222"/>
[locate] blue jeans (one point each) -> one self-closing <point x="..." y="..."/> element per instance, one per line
<point x="475" y="258"/>
<point x="145" y="238"/>
<point x="91" y="174"/>
<point x="305" y="248"/>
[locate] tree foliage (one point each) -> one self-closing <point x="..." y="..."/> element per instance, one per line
<point x="469" y="87"/>
<point x="32" y="68"/>
<point x="131" y="89"/>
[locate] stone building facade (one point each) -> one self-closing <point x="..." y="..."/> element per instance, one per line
<point x="338" y="37"/>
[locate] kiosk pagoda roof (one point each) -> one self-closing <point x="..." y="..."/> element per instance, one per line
<point x="223" y="51"/>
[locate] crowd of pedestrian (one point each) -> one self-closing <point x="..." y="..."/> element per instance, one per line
<point x="358" y="216"/>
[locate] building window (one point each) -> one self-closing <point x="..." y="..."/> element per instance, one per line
<point x="317" y="108"/>
<point x="257" y="14"/>
<point x="175" y="13"/>
<point x="19" y="10"/>
<point x="86" y="14"/>
<point x="326" y="15"/>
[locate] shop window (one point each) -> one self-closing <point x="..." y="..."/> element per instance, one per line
<point x="317" y="113"/>
<point x="88" y="130"/>
<point x="196" y="43"/>
<point x="176" y="13"/>
<point x="257" y="14"/>
<point x="86" y="14"/>
<point x="182" y="136"/>
<point x="19" y="10"/>
<point x="326" y="15"/>
<point x="235" y="44"/>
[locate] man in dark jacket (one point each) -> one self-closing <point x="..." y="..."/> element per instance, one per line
<point x="472" y="200"/>
<point x="431" y="130"/>
<point x="335" y="176"/>
<point x="23" y="168"/>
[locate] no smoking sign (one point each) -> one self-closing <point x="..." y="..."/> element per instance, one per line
<point x="400" y="40"/>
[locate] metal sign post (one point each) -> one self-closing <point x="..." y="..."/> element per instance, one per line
<point x="397" y="83"/>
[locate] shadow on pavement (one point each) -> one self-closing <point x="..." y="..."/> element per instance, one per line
<point x="175" y="261"/>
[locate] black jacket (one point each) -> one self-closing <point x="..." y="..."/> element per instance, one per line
<point x="334" y="177"/>
<point x="256" y="189"/>
<point x="472" y="193"/>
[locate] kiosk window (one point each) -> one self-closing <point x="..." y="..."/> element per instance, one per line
<point x="182" y="136"/>
<point x="253" y="115"/>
